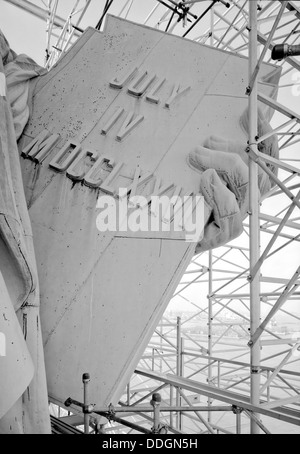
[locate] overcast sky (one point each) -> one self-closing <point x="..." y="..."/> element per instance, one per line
<point x="28" y="34"/>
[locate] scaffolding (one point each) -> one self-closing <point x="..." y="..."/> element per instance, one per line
<point x="229" y="362"/>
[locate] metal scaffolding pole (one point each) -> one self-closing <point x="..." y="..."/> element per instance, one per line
<point x="179" y="370"/>
<point x="254" y="214"/>
<point x="40" y="13"/>
<point x="210" y="326"/>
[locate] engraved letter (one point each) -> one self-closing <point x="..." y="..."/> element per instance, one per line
<point x="39" y="148"/>
<point x="137" y="183"/>
<point x="175" y="94"/>
<point x="129" y="125"/>
<point x="152" y="96"/>
<point x="119" y="84"/>
<point x="139" y="86"/>
<point x="77" y="170"/>
<point x="92" y="178"/>
<point x="66" y="156"/>
<point x="106" y="186"/>
<point x="112" y="121"/>
<point x="158" y="191"/>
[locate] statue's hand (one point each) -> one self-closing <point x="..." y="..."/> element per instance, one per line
<point x="225" y="186"/>
<point x="224" y="168"/>
<point x="231" y="176"/>
<point x="238" y="148"/>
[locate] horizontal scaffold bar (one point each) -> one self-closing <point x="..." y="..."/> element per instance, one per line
<point x="238" y="400"/>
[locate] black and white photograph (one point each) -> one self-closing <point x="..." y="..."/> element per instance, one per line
<point x="149" y="219"/>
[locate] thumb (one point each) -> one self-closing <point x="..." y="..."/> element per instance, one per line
<point x="227" y="221"/>
<point x="230" y="168"/>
